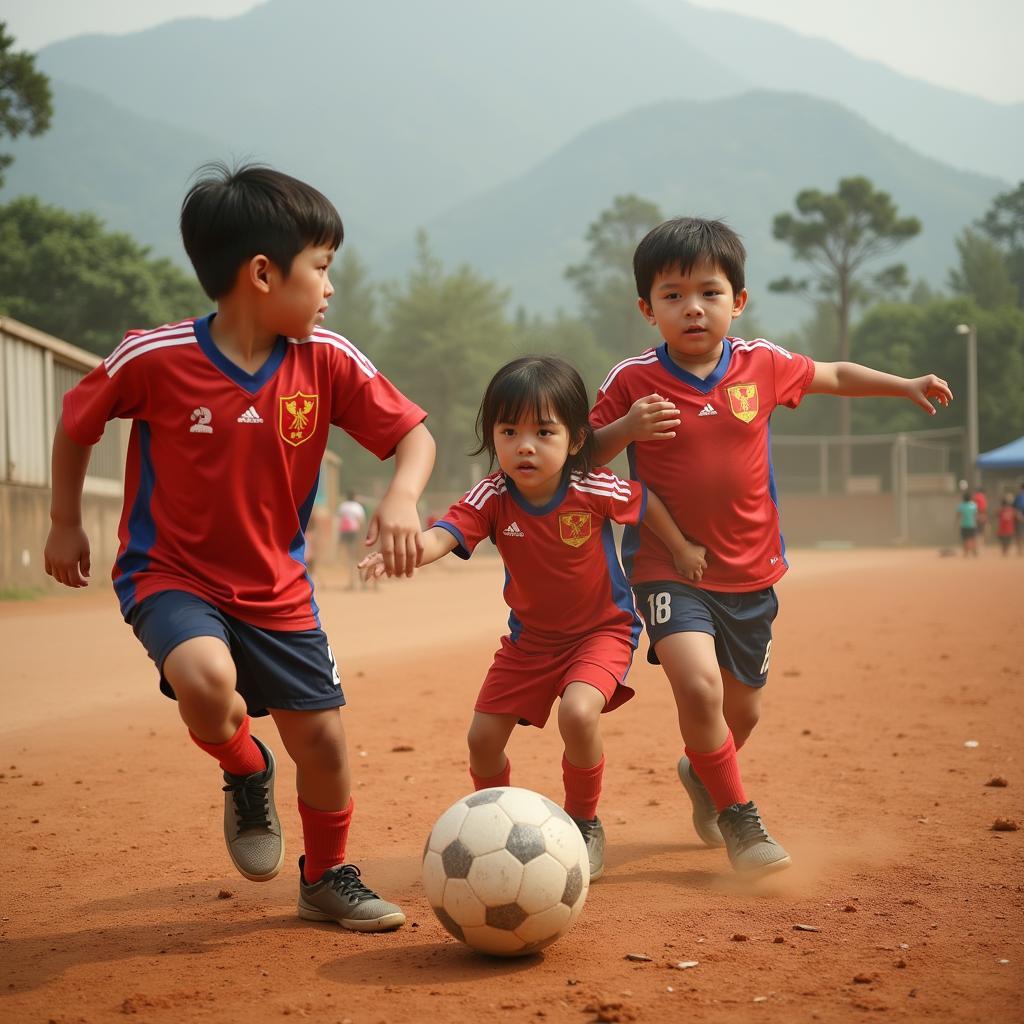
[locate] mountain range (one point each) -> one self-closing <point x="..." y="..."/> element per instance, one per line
<point x="506" y="129"/>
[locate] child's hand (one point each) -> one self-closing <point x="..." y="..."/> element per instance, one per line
<point x="371" y="567"/>
<point x="691" y="561"/>
<point x="66" y="555"/>
<point x="396" y="524"/>
<point x="652" y="418"/>
<point x="921" y="389"/>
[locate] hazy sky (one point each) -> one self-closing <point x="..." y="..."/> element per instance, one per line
<point x="973" y="46"/>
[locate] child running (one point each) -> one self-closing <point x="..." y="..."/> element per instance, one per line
<point x="230" y="419"/>
<point x="573" y="625"/>
<point x="694" y="414"/>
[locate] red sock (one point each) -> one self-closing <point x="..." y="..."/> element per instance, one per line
<point x="325" y="836"/>
<point x="582" y="789"/>
<point x="501" y="779"/>
<point x="719" y="770"/>
<point x="239" y="755"/>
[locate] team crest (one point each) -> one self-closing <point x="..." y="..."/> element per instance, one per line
<point x="743" y="401"/>
<point x="297" y="418"/>
<point x="574" y="528"/>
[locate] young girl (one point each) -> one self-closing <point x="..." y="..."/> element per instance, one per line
<point x="573" y="626"/>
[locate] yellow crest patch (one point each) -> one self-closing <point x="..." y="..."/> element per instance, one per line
<point x="297" y="417"/>
<point x="743" y="401"/>
<point x="574" y="528"/>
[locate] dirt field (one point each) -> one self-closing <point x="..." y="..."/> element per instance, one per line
<point x="118" y="897"/>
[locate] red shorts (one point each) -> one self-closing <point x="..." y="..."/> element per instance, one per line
<point x="525" y="678"/>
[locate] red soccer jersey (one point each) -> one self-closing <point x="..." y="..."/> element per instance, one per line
<point x="562" y="574"/>
<point x="223" y="465"/>
<point x="716" y="475"/>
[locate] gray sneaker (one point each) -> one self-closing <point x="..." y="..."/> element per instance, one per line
<point x="341" y="896"/>
<point x="705" y="814"/>
<point x="593" y="836"/>
<point x="252" y="830"/>
<point x="750" y="848"/>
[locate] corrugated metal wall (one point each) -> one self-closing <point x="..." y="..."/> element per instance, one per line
<point x="35" y="372"/>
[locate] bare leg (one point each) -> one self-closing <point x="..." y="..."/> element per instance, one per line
<point x="315" y="740"/>
<point x="742" y="706"/>
<point x="579" y="718"/>
<point x="202" y="674"/>
<point x="488" y="737"/>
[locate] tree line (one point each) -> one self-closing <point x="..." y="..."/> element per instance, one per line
<point x="440" y="332"/>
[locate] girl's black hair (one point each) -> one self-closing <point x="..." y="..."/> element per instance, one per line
<point x="532" y="387"/>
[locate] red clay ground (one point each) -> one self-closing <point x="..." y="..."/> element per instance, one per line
<point x="118" y="898"/>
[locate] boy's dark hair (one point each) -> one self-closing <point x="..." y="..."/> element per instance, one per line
<point x="535" y="386"/>
<point x="681" y="243"/>
<point x="229" y="216"/>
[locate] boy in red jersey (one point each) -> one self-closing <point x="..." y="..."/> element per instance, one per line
<point x="694" y="414"/>
<point x="230" y="420"/>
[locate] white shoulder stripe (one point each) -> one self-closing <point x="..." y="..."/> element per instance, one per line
<point x="607" y="484"/>
<point x="595" y="487"/>
<point x="484" y="495"/>
<point x="488" y="481"/>
<point x="747" y="346"/>
<point x="343" y="344"/>
<point x="616" y="495"/>
<point x="645" y="357"/>
<point x="144" y="337"/>
<point x="190" y="339"/>
<point x="605" y="477"/>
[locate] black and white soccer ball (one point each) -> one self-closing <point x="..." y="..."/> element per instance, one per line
<point x="506" y="871"/>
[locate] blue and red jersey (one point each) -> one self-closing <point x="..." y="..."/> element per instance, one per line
<point x="223" y="465"/>
<point x="563" y="580"/>
<point x="716" y="475"/>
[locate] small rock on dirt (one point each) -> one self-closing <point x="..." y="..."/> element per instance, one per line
<point x="806" y="928"/>
<point x="998" y="782"/>
<point x="1005" y="825"/>
<point x="640" y="958"/>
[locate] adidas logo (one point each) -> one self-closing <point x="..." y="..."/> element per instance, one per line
<point x="250" y="416"/>
<point x="708" y="410"/>
<point x="512" y="530"/>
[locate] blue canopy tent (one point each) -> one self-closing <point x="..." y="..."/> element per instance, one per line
<point x="1008" y="456"/>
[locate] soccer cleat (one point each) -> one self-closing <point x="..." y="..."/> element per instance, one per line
<point x="750" y="848"/>
<point x="705" y="814"/>
<point x="593" y="835"/>
<point x="341" y="896"/>
<point x="252" y="829"/>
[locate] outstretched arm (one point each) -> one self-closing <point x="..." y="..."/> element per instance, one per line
<point x="690" y="559"/>
<point x="66" y="555"/>
<point x="395" y="522"/>
<point x="651" y="418"/>
<point x="433" y="544"/>
<point x="858" y="381"/>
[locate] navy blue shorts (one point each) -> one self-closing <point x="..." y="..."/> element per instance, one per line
<point x="740" y="623"/>
<point x="294" y="670"/>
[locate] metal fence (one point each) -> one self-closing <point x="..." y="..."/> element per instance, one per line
<point x="36" y="370"/>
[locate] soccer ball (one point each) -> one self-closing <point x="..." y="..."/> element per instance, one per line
<point x="506" y="871"/>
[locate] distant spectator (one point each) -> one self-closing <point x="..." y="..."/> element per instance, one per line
<point x="967" y="517"/>
<point x="981" y="500"/>
<point x="351" y="528"/>
<point x="1007" y="524"/>
<point x="317" y="532"/>
<point x="1018" y="504"/>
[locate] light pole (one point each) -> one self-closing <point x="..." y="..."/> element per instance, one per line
<point x="972" y="399"/>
